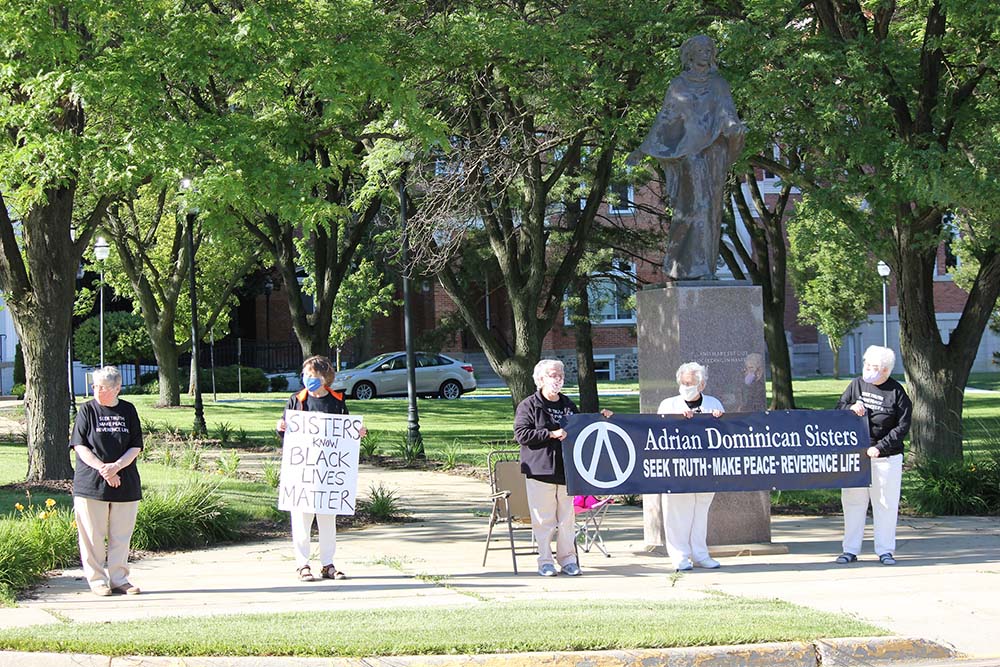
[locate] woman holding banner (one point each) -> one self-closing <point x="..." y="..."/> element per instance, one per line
<point x="686" y="519"/>
<point x="317" y="375"/>
<point x="538" y="429"/>
<point x="888" y="408"/>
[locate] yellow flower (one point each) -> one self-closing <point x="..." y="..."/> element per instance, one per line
<point x="43" y="515"/>
<point x="49" y="503"/>
<point x="72" y="523"/>
<point x="19" y="507"/>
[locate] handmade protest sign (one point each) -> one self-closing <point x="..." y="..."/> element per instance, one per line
<point x="787" y="449"/>
<point x="319" y="462"/>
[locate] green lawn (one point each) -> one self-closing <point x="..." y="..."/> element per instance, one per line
<point x="489" y="628"/>
<point x="249" y="499"/>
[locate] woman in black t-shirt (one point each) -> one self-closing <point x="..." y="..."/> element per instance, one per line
<point x="107" y="438"/>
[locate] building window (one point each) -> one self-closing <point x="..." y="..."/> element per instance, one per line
<point x="611" y="295"/>
<point x="604" y="367"/>
<point x="620" y="200"/>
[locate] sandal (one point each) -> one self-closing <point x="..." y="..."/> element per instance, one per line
<point x="305" y="573"/>
<point x="331" y="572"/>
<point x="887" y="559"/>
<point x="845" y="558"/>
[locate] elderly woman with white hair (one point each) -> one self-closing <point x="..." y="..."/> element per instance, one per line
<point x="107" y="438"/>
<point x="686" y="519"/>
<point x="883" y="401"/>
<point x="539" y="429"/>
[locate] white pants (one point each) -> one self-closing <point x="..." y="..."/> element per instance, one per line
<point x="302" y="523"/>
<point x="98" y="521"/>
<point x="887" y="476"/>
<point x="686" y="525"/>
<point x="552" y="512"/>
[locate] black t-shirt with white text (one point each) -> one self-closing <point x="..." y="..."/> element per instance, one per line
<point x="109" y="432"/>
<point x="887" y="408"/>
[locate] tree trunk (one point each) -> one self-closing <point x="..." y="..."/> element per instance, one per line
<point x="168" y="372"/>
<point x="835" y="349"/>
<point x="782" y="397"/>
<point x="516" y="371"/>
<point x="44" y="339"/>
<point x="937" y="372"/>
<point x="583" y="333"/>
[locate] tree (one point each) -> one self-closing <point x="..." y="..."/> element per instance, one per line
<point x="151" y="264"/>
<point x="889" y="103"/>
<point x="833" y="274"/>
<point x="362" y="295"/>
<point x="537" y="102"/>
<point x="65" y="72"/>
<point x="764" y="259"/>
<point x="125" y="340"/>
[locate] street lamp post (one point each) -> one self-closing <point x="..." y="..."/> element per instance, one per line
<point x="199" y="407"/>
<point x="101" y="251"/>
<point x="884" y="271"/>
<point x="412" y="417"/>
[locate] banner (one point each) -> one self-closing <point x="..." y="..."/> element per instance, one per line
<point x="319" y="462"/>
<point x="755" y="451"/>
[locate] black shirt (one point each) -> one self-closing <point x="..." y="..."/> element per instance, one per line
<point x="330" y="403"/>
<point x="541" y="456"/>
<point x="109" y="432"/>
<point x="887" y="408"/>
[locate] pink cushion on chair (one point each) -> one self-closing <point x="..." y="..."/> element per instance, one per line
<point x="585" y="502"/>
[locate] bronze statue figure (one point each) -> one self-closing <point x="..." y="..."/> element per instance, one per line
<point x="696" y="138"/>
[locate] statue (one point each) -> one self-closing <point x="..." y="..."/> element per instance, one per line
<point x="696" y="138"/>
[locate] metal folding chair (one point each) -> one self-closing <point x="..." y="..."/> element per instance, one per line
<point x="509" y="494"/>
<point x="590" y="512"/>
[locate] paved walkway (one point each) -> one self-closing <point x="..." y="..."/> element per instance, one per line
<point x="945" y="587"/>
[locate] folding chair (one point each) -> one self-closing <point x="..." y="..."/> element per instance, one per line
<point x="590" y="511"/>
<point x="509" y="494"/>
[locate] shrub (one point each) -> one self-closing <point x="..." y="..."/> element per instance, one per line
<point x="382" y="504"/>
<point x="19" y="375"/>
<point x="272" y="473"/>
<point x="410" y="450"/>
<point x="228" y="464"/>
<point x="18" y="390"/>
<point x="34" y="540"/>
<point x="369" y="445"/>
<point x="224" y="432"/>
<point x="279" y="383"/>
<point x="184" y="517"/>
<point x="450" y="455"/>
<point x="971" y="486"/>
<point x="227" y="380"/>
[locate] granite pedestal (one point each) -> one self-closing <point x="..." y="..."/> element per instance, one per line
<point x="719" y="324"/>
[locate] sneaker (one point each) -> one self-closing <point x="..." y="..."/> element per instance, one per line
<point x="684" y="565"/>
<point x="547" y="570"/>
<point x="845" y="558"/>
<point x="101" y="590"/>
<point x="126" y="589"/>
<point x="571" y="570"/>
<point x="887" y="559"/>
<point x="708" y="564"/>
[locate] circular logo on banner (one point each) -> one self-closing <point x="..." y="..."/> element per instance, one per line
<point x="604" y="431"/>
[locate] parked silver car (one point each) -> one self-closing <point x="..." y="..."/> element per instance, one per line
<point x="385" y="375"/>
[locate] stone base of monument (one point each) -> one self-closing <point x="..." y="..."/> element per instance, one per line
<point x="719" y="324"/>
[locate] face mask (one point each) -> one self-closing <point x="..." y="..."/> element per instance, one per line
<point x="553" y="386"/>
<point x="870" y="376"/>
<point x="312" y="383"/>
<point x="688" y="393"/>
<point x="749" y="378"/>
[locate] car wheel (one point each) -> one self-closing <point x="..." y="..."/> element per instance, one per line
<point x="451" y="390"/>
<point x="364" y="391"/>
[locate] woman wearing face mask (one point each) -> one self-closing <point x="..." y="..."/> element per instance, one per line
<point x="317" y="374"/>
<point x="538" y="428"/>
<point x="686" y="519"/>
<point x="882" y="400"/>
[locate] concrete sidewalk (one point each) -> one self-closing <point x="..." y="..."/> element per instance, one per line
<point x="944" y="589"/>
